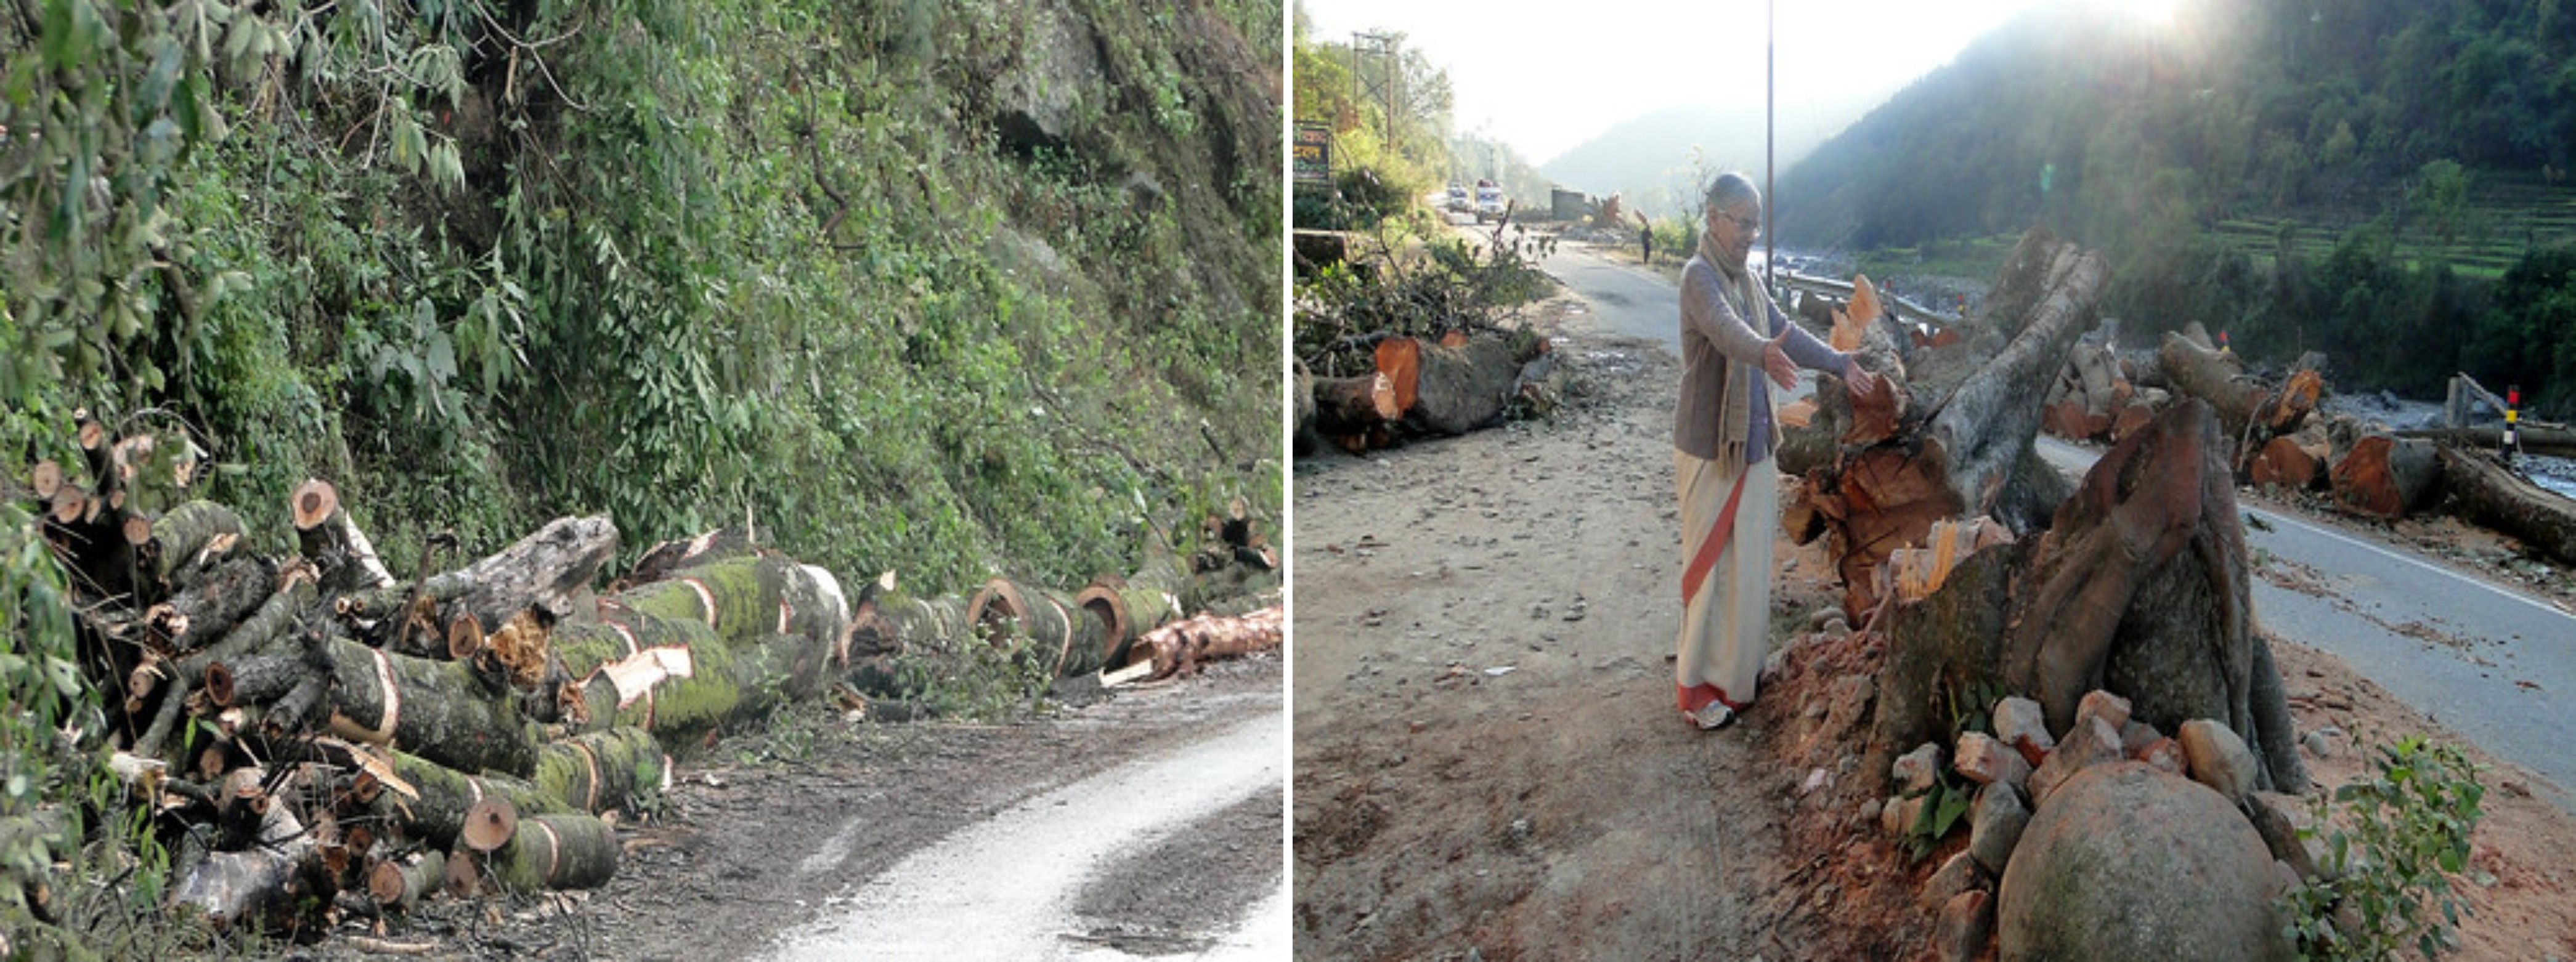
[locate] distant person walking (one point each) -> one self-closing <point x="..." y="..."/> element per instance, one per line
<point x="1733" y="336"/>
<point x="1646" y="237"/>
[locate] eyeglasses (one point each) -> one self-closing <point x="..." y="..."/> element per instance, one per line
<point x="1751" y="226"/>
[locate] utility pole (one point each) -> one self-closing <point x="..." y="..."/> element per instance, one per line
<point x="1383" y="47"/>
<point x="1770" y="170"/>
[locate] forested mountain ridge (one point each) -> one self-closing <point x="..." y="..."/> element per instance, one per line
<point x="2359" y="177"/>
<point x="940" y="288"/>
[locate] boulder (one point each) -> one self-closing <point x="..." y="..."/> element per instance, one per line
<point x="2020" y="723"/>
<point x="1986" y="761"/>
<point x="1917" y="770"/>
<point x="2136" y="736"/>
<point x="2218" y="758"/>
<point x="1959" y="874"/>
<point x="1995" y="823"/>
<point x="2164" y="754"/>
<point x="1966" y="924"/>
<point x="2105" y="706"/>
<point x="2087" y="744"/>
<point x="2126" y="862"/>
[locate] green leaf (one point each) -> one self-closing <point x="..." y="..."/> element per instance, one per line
<point x="72" y="31"/>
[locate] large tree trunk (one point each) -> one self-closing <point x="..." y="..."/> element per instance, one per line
<point x="2554" y="442"/>
<point x="1465" y="387"/>
<point x="547" y="572"/>
<point x="2386" y="477"/>
<point x="2140" y="586"/>
<point x="2197" y="371"/>
<point x="2486" y="493"/>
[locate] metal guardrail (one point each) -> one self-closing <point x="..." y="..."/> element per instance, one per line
<point x="1905" y="310"/>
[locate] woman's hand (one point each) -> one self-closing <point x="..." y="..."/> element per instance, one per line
<point x="1776" y="362"/>
<point x="1863" y="385"/>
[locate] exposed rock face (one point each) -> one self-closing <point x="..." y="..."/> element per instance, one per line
<point x="2126" y="862"/>
<point x="1039" y="99"/>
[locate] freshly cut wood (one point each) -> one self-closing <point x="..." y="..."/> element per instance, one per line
<point x="2282" y="463"/>
<point x="2282" y="410"/>
<point x="1183" y="645"/>
<point x="189" y="538"/>
<point x="554" y="852"/>
<point x="1129" y="610"/>
<point x="2195" y="370"/>
<point x="2386" y="477"/>
<point x="447" y="711"/>
<point x="212" y="607"/>
<point x="45" y="479"/>
<point x="549" y="571"/>
<point x="2133" y="416"/>
<point x="1399" y="358"/>
<point x="403" y="882"/>
<point x="446" y="797"/>
<point x="346" y="560"/>
<point x="2486" y="493"/>
<point x="1350" y="405"/>
<point x="489" y="824"/>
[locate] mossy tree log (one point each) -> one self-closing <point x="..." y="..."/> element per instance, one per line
<point x="2484" y="492"/>
<point x="549" y="572"/>
<point x="449" y="712"/>
<point x="555" y="851"/>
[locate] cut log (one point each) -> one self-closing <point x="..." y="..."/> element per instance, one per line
<point x="184" y="541"/>
<point x="2282" y="410"/>
<point x="1183" y="645"/>
<point x="2484" y="492"/>
<point x="602" y="771"/>
<point x="1464" y="387"/>
<point x="1400" y="360"/>
<point x="213" y="606"/>
<point x="447" y="711"/>
<point x="446" y="798"/>
<point x="1351" y="405"/>
<point x="345" y="560"/>
<point x="2283" y="464"/>
<point x="2386" y="477"/>
<point x="549" y="572"/>
<point x="1066" y="638"/>
<point x="2197" y="371"/>
<point x="669" y="557"/>
<point x="1128" y="610"/>
<point x="489" y="824"/>
<point x="400" y="883"/>
<point x="278" y="875"/>
<point x="553" y="852"/>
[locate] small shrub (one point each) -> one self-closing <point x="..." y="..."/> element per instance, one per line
<point x="2404" y="832"/>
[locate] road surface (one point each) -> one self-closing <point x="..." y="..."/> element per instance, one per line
<point x="1005" y="887"/>
<point x="2495" y="665"/>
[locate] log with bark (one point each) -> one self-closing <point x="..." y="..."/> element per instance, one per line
<point x="1180" y="647"/>
<point x="2385" y="476"/>
<point x="2484" y="492"/>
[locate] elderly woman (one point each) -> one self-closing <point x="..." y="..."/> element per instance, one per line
<point x="1724" y="430"/>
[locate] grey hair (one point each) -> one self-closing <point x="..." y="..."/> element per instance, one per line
<point x="1731" y="188"/>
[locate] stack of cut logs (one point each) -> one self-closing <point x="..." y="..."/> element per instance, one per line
<point x="316" y="735"/>
<point x="1454" y="384"/>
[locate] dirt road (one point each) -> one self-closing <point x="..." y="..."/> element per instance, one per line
<point x="771" y="830"/>
<point x="1488" y="764"/>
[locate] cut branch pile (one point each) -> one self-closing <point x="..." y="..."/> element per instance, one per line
<point x="321" y="735"/>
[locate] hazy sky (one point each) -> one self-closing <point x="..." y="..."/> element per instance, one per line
<point x="1544" y="82"/>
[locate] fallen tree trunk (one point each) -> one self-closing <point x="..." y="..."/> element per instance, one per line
<point x="1465" y="387"/>
<point x="1067" y="638"/>
<point x="447" y="711"/>
<point x="1350" y="405"/>
<point x="554" y="852"/>
<point x="2556" y="443"/>
<point x="2140" y="586"/>
<point x="2485" y="493"/>
<point x="2386" y="477"/>
<point x="1181" y="646"/>
<point x="545" y="572"/>
<point x="341" y="553"/>
<point x="2197" y="371"/>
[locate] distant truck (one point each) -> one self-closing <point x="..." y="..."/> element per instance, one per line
<point x="1458" y="200"/>
<point x="1489" y="201"/>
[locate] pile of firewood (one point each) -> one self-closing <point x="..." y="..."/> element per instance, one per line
<point x="315" y="735"/>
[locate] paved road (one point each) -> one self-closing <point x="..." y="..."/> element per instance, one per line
<point x="1003" y="889"/>
<point x="2500" y="668"/>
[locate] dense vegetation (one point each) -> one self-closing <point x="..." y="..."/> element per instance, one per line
<point x="482" y="264"/>
<point x="1388" y="108"/>
<point x="2378" y="179"/>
